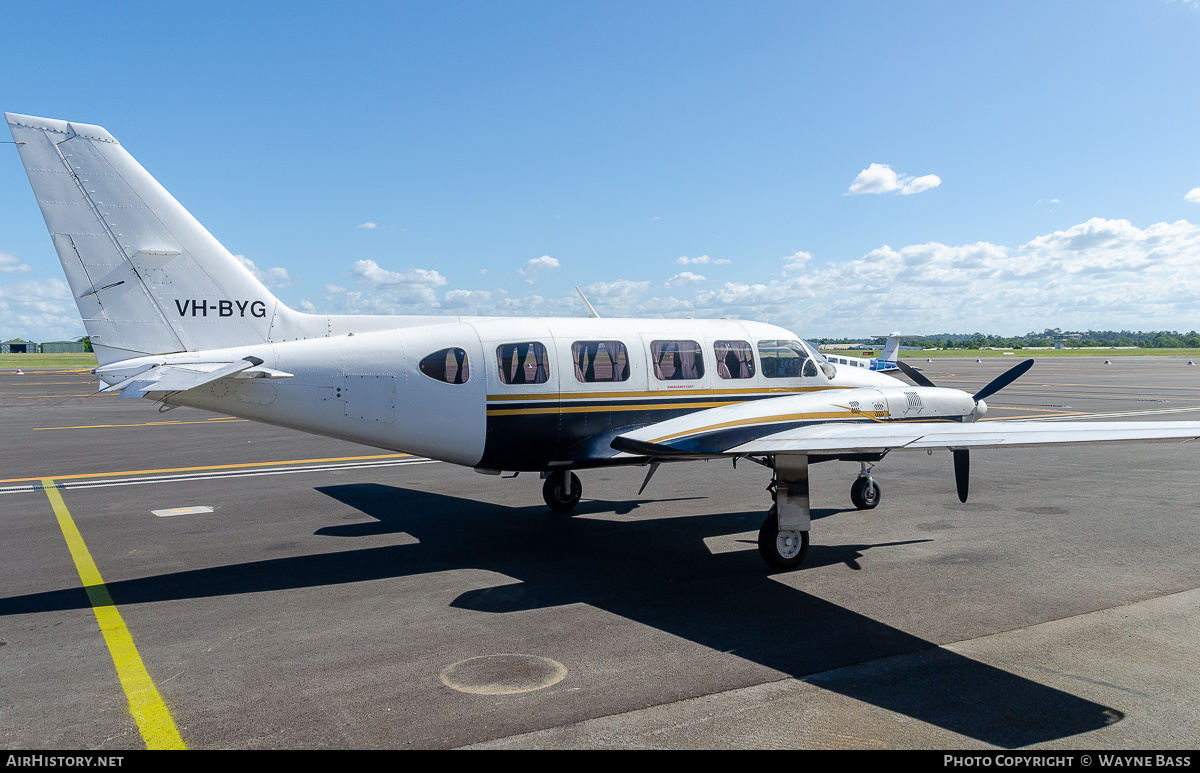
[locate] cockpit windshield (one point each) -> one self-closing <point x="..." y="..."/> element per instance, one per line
<point x="786" y="359"/>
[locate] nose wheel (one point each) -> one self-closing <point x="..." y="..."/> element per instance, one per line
<point x="562" y="490"/>
<point x="864" y="492"/>
<point x="781" y="549"/>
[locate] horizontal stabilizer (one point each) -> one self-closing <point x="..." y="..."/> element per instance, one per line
<point x="181" y="378"/>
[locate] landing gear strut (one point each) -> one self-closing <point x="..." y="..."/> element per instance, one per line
<point x="562" y="490"/>
<point x="783" y="538"/>
<point x="781" y="549"/>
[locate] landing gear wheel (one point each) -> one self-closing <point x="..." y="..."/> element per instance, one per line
<point x="781" y="549"/>
<point x="864" y="493"/>
<point x="562" y="490"/>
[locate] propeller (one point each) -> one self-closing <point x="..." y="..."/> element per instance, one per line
<point x="914" y="374"/>
<point x="962" y="457"/>
<point x="1003" y="380"/>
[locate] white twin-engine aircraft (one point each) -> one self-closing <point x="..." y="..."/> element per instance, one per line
<point x="174" y="317"/>
<point x="886" y="361"/>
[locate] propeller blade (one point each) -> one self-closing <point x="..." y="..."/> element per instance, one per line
<point x="1003" y="380"/>
<point x="962" y="472"/>
<point x="915" y="374"/>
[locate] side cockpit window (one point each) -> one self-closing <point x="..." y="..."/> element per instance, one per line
<point x="734" y="359"/>
<point x="524" y="363"/>
<point x="785" y="359"/>
<point x="597" y="361"/>
<point x="677" y="360"/>
<point x="446" y="365"/>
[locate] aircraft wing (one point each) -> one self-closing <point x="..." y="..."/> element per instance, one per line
<point x="184" y="376"/>
<point x="797" y="434"/>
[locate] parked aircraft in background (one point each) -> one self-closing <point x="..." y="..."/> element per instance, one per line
<point x="886" y="361"/>
<point x="174" y="317"/>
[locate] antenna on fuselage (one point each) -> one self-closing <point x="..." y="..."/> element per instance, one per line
<point x="591" y="312"/>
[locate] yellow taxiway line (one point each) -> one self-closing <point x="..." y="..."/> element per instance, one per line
<point x="148" y="424"/>
<point x="145" y="703"/>
<point x="245" y="465"/>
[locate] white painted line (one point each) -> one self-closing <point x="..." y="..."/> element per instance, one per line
<point x="1086" y="416"/>
<point x="182" y="511"/>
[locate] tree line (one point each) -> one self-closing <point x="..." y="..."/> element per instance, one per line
<point x="1153" y="339"/>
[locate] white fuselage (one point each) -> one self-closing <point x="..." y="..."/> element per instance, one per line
<point x="554" y="409"/>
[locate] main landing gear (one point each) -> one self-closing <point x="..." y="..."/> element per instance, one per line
<point x="783" y="542"/>
<point x="562" y="490"/>
<point x="781" y="549"/>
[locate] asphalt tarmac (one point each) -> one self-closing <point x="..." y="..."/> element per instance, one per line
<point x="301" y="592"/>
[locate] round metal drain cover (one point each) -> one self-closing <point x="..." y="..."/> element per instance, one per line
<point x="503" y="674"/>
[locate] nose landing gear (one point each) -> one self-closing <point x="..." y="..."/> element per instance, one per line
<point x="562" y="490"/>
<point x="864" y="492"/>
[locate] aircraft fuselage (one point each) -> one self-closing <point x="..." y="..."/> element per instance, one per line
<point x="522" y="394"/>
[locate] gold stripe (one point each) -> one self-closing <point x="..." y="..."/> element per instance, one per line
<point x="145" y="703"/>
<point x="768" y="420"/>
<point x="599" y="408"/>
<point x="699" y="392"/>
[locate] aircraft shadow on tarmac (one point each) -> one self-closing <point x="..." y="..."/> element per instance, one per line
<point x="660" y="573"/>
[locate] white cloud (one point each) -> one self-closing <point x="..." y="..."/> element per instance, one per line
<point x="796" y="261"/>
<point x="684" y="278"/>
<point x="368" y="225"/>
<point x="370" y="271"/>
<point x="11" y="264"/>
<point x="535" y="265"/>
<point x="881" y="178"/>
<point x="1097" y="274"/>
<point x="272" y="277"/>
<point x="39" y="310"/>
<point x="465" y="299"/>
<point x="388" y="292"/>
<point x="919" y="184"/>
<point x="1101" y="273"/>
<point x="703" y="260"/>
<point x="1193" y="196"/>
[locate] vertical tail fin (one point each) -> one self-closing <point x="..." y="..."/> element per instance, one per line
<point x="890" y="348"/>
<point x="147" y="277"/>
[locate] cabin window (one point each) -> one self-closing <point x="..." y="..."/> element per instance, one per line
<point x="447" y="365"/>
<point x="597" y="361"/>
<point x="734" y="359"/>
<point x="785" y="359"/>
<point x="677" y="360"/>
<point x="524" y="363"/>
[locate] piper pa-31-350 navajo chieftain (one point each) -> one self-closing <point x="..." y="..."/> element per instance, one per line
<point x="173" y="316"/>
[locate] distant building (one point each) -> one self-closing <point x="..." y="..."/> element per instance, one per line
<point x="60" y="347"/>
<point x="18" y="346"/>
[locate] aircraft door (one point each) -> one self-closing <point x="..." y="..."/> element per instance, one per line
<point x="441" y="404"/>
<point x="679" y="363"/>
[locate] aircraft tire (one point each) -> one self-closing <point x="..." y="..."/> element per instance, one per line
<point x="781" y="550"/>
<point x="562" y="490"/>
<point x="865" y="493"/>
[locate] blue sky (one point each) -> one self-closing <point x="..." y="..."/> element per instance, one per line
<point x="840" y="168"/>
